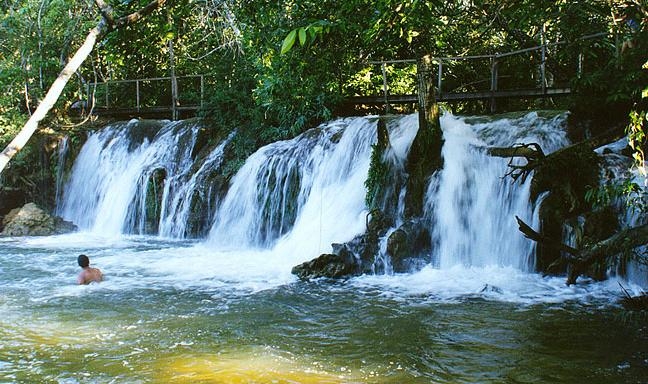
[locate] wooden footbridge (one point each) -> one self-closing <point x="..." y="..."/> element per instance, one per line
<point x="171" y="97"/>
<point x="490" y="78"/>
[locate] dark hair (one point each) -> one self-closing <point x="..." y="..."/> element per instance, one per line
<point x="83" y="261"/>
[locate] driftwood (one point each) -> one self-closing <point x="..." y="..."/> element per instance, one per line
<point x="531" y="152"/>
<point x="579" y="259"/>
<point x="566" y="174"/>
<point x="634" y="303"/>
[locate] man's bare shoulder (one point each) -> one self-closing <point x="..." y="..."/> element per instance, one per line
<point x="89" y="275"/>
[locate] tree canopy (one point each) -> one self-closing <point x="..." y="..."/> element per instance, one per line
<point x="276" y="68"/>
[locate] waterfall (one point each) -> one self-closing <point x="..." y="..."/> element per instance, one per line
<point x="301" y="194"/>
<point x="618" y="168"/>
<point x="107" y="191"/>
<point x="471" y="205"/>
<point x="179" y="193"/>
<point x="295" y="198"/>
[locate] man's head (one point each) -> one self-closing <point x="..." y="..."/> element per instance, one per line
<point x="83" y="261"/>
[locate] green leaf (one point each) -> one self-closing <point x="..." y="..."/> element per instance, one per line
<point x="289" y="41"/>
<point x="302" y="36"/>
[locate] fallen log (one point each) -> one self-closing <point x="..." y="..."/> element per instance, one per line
<point x="580" y="259"/>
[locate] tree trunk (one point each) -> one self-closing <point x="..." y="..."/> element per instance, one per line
<point x="51" y="97"/>
<point x="172" y="74"/>
<point x="106" y="24"/>
<point x="424" y="157"/>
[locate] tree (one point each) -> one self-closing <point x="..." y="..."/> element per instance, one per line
<point x="107" y="24"/>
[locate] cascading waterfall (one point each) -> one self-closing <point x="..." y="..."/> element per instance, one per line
<point x="401" y="136"/>
<point x="617" y="168"/>
<point x="179" y="193"/>
<point x="107" y="190"/>
<point x="295" y="198"/>
<point x="471" y="205"/>
<point x="299" y="195"/>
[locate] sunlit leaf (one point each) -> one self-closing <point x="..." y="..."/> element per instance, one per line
<point x="302" y="36"/>
<point x="289" y="41"/>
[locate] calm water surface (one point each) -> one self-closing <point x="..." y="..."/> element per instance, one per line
<point x="176" y="312"/>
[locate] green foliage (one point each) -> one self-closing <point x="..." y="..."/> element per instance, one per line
<point x="634" y="196"/>
<point x="378" y="172"/>
<point x="307" y="35"/>
<point x="261" y="85"/>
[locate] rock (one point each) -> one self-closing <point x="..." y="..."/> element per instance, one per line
<point x="409" y="246"/>
<point x="30" y="220"/>
<point x="331" y="265"/>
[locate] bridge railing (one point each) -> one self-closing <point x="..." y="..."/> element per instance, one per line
<point x="541" y="71"/>
<point x="155" y="94"/>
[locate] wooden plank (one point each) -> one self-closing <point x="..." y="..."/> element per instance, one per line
<point x="502" y="94"/>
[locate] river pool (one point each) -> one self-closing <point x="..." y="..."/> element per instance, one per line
<point x="178" y="312"/>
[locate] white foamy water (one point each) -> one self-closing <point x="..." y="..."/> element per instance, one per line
<point x="299" y="195"/>
<point x="471" y="202"/>
<point x="144" y="263"/>
<point x="506" y="284"/>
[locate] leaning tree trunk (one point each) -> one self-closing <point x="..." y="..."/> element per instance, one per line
<point x="51" y="97"/>
<point x="105" y="25"/>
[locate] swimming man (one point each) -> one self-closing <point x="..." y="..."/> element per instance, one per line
<point x="88" y="274"/>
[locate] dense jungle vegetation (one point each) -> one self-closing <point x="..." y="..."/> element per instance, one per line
<point x="276" y="68"/>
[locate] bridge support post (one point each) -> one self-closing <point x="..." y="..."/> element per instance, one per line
<point x="494" y="65"/>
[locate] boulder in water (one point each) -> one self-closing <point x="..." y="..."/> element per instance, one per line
<point x="31" y="220"/>
<point x="332" y="265"/>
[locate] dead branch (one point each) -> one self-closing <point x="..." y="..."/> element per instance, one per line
<point x="532" y="152"/>
<point x="579" y="259"/>
<point x="535" y="156"/>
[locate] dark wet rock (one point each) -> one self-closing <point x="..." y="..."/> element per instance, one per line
<point x="331" y="265"/>
<point x="409" y="246"/>
<point x="491" y="288"/>
<point x="31" y="220"/>
<point x="635" y="303"/>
